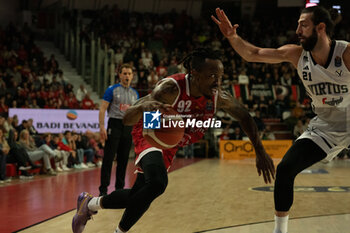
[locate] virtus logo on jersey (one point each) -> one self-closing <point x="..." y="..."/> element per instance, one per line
<point x="152" y="120"/>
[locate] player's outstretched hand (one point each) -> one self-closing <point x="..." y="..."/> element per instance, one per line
<point x="155" y="105"/>
<point x="224" y="24"/>
<point x="265" y="166"/>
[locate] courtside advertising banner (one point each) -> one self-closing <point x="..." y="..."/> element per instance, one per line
<point x="59" y="120"/>
<point x="240" y="149"/>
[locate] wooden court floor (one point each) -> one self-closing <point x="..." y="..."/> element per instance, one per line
<point x="216" y="196"/>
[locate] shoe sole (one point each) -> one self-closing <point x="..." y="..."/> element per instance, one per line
<point x="81" y="198"/>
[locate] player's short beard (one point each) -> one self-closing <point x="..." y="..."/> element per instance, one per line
<point x="310" y="42"/>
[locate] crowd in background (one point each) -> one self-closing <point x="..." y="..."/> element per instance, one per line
<point x="21" y="144"/>
<point x="30" y="80"/>
<point x="154" y="45"/>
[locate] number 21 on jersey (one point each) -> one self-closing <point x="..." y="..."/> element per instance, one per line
<point x="307" y="76"/>
<point x="184" y="106"/>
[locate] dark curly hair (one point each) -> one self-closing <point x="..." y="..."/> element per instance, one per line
<point x="196" y="59"/>
<point x="321" y="15"/>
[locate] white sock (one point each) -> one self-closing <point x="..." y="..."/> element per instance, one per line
<point x="119" y="231"/>
<point x="281" y="224"/>
<point x="94" y="204"/>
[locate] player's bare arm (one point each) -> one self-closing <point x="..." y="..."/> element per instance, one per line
<point x="101" y="119"/>
<point x="162" y="97"/>
<point x="251" y="53"/>
<point x="346" y="57"/>
<point x="264" y="163"/>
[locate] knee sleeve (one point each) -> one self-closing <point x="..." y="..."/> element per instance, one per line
<point x="285" y="171"/>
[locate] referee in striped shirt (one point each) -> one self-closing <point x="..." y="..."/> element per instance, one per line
<point x="116" y="100"/>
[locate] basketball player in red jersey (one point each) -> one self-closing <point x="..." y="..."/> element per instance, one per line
<point x="197" y="94"/>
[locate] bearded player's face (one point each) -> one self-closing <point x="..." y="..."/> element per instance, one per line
<point x="306" y="32"/>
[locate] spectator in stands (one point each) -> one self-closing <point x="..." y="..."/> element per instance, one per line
<point x="22" y="55"/>
<point x="4" y="151"/>
<point x="225" y="135"/>
<point x="62" y="144"/>
<point x="2" y="86"/>
<point x="22" y="126"/>
<point x="173" y="69"/>
<point x="63" y="164"/>
<point x="15" y="121"/>
<point x="271" y="109"/>
<point x="162" y="70"/>
<point x="65" y="104"/>
<point x="55" y="84"/>
<point x="31" y="128"/>
<point x="34" y="104"/>
<point x="81" y="92"/>
<point x="61" y="78"/>
<point x="243" y="78"/>
<point x="147" y="60"/>
<point x="268" y="79"/>
<point x="72" y="101"/>
<point x="152" y="79"/>
<point x="82" y="144"/>
<point x="258" y="121"/>
<point x="69" y="88"/>
<point x="267" y="134"/>
<point x="250" y="102"/>
<point x="280" y="104"/>
<point x="118" y="57"/>
<point x="16" y="75"/>
<point x="69" y="141"/>
<point x="298" y="111"/>
<point x="237" y="135"/>
<point x="61" y="157"/>
<point x="260" y="104"/>
<point x="25" y="104"/>
<point x="48" y="76"/>
<point x="14" y="104"/>
<point x="95" y="143"/>
<point x="286" y="79"/>
<point x="19" y="156"/>
<point x="35" y="153"/>
<point x="87" y="103"/>
<point x="53" y="64"/>
<point x="34" y="66"/>
<point x="3" y="107"/>
<point x="299" y="129"/>
<point x="8" y="125"/>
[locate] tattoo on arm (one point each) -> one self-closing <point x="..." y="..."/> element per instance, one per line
<point x="165" y="92"/>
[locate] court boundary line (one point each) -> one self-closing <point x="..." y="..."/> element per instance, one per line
<point x="267" y="221"/>
<point x="37" y="223"/>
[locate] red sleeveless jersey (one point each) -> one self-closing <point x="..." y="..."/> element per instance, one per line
<point x="189" y="107"/>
